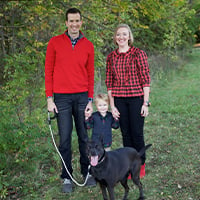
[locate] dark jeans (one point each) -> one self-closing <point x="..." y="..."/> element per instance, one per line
<point x="72" y="106"/>
<point x="131" y="122"/>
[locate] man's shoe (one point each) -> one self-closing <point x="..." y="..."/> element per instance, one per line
<point x="142" y="171"/>
<point x="67" y="186"/>
<point x="91" y="182"/>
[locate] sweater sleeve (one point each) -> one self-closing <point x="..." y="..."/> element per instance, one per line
<point x="49" y="68"/>
<point x="90" y="71"/>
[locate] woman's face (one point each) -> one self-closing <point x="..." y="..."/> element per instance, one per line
<point x="122" y="37"/>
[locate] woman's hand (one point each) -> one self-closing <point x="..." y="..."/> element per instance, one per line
<point x="144" y="111"/>
<point x="115" y="112"/>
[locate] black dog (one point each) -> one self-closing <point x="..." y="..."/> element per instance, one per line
<point x="109" y="168"/>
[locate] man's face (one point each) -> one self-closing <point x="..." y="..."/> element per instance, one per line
<point x="74" y="24"/>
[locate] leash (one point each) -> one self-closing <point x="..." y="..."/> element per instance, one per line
<point x="49" y="121"/>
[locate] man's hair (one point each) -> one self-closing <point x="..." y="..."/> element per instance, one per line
<point x="72" y="11"/>
<point x="103" y="97"/>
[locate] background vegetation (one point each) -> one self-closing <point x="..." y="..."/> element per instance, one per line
<point x="166" y="30"/>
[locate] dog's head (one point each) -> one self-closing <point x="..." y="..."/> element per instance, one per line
<point x="95" y="152"/>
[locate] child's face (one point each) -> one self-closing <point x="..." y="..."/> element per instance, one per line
<point x="102" y="106"/>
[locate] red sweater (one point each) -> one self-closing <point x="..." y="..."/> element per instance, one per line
<point x="68" y="69"/>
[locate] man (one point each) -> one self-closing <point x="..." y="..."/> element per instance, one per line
<point x="69" y="87"/>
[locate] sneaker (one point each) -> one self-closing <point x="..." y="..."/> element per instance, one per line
<point x="142" y="171"/>
<point x="67" y="186"/>
<point x="129" y="177"/>
<point x="90" y="181"/>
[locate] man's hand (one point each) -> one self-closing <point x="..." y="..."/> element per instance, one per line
<point x="51" y="107"/>
<point x="88" y="110"/>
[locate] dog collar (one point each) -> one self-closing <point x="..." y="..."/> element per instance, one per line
<point x="102" y="158"/>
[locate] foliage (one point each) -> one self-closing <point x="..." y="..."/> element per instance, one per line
<point x="160" y="27"/>
<point x="172" y="163"/>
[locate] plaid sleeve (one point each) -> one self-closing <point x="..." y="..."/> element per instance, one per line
<point x="109" y="76"/>
<point x="115" y="123"/>
<point x="89" y="123"/>
<point x="144" y="69"/>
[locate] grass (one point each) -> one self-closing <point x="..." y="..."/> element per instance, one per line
<point x="173" y="162"/>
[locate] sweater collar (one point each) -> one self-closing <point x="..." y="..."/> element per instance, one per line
<point x="79" y="37"/>
<point x="74" y="41"/>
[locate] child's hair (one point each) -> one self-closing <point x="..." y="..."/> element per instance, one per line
<point x="102" y="96"/>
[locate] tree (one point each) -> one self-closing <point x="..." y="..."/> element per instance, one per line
<point x="25" y="29"/>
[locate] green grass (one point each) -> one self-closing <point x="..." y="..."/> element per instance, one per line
<point x="173" y="162"/>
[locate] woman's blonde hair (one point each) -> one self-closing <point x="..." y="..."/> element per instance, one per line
<point x="130" y="42"/>
<point x="102" y="96"/>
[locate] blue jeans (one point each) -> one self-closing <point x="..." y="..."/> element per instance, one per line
<point x="131" y="122"/>
<point x="72" y="106"/>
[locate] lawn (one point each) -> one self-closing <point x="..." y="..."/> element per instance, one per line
<point x="173" y="162"/>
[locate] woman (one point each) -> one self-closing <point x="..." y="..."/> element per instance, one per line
<point x="128" y="85"/>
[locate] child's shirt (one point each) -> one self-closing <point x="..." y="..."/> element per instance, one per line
<point x="102" y="127"/>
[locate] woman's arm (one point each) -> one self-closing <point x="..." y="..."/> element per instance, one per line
<point x="114" y="110"/>
<point x="145" y="106"/>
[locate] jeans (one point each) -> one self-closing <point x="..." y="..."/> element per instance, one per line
<point x="131" y="122"/>
<point x="72" y="106"/>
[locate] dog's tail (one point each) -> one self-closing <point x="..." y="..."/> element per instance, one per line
<point x="144" y="149"/>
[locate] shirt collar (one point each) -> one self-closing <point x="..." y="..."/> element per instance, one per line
<point x="74" y="41"/>
<point x="106" y="116"/>
<point x="131" y="50"/>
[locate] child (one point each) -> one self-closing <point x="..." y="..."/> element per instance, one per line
<point x="102" y="121"/>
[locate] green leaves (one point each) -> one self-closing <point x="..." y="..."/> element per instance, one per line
<point x="158" y="26"/>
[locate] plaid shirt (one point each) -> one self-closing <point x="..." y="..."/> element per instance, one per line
<point x="127" y="73"/>
<point x="102" y="127"/>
